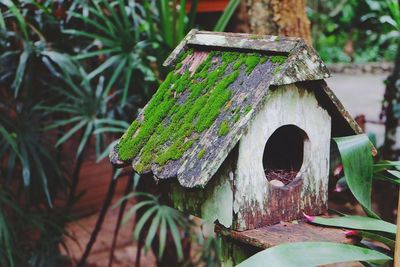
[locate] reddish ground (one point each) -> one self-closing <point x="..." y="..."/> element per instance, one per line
<point x="125" y="253"/>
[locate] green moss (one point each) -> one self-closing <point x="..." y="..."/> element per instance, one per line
<point x="201" y="153"/>
<point x="251" y="62"/>
<point x="178" y="66"/>
<point x="236" y="117"/>
<point x="223" y="128"/>
<point x="263" y="59"/>
<point x="188" y="52"/>
<point x="255" y="37"/>
<point x="170" y="126"/>
<point x="239" y="62"/>
<point x="278" y="59"/>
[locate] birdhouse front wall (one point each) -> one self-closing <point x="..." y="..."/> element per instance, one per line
<point x="293" y="112"/>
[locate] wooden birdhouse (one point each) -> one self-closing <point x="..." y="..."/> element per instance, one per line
<point x="240" y="131"/>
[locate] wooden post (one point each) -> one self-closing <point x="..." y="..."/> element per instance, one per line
<point x="397" y="249"/>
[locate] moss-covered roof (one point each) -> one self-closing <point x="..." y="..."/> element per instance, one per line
<point x="200" y="111"/>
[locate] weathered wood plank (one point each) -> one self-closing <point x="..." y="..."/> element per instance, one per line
<point x="264" y="43"/>
<point x="270" y="236"/>
<point x="303" y="64"/>
<point x="179" y="49"/>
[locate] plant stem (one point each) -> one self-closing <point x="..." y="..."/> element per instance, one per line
<point x="119" y="220"/>
<point x="100" y="220"/>
<point x="387" y="193"/>
<point x="397" y="249"/>
<point x="138" y="252"/>
<point x="76" y="174"/>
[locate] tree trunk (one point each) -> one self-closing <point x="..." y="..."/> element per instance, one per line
<point x="279" y="17"/>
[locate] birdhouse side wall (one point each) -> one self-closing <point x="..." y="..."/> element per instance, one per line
<point x="214" y="203"/>
<point x="257" y="202"/>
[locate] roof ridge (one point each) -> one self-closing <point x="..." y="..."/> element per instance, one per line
<point x="265" y="43"/>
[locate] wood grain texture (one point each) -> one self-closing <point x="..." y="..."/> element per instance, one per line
<point x="303" y="64"/>
<point x="270" y="236"/>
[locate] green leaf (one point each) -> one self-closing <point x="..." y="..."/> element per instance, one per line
<point x="117" y="173"/>
<point x="15" y="11"/>
<point x="226" y="15"/>
<point x="192" y="14"/>
<point x="175" y="236"/>
<point x="121" y="123"/>
<point x="376" y="237"/>
<point x="108" y="63"/>
<point x="143" y="219"/>
<point x="386" y="176"/>
<point x="62" y="122"/>
<point x="394" y="173"/>
<point x="64" y="61"/>
<point x="135" y="208"/>
<point x="2" y="22"/>
<point x="74" y="129"/>
<point x="93" y="22"/>
<point x="104" y="40"/>
<point x="26" y="172"/>
<point x="386" y="164"/>
<point x="355" y="222"/>
<point x="97" y="53"/>
<point x="355" y="152"/>
<point x="11" y="141"/>
<point x="85" y="138"/>
<point x="163" y="237"/>
<point x="128" y="76"/>
<point x="115" y="75"/>
<point x="109" y="130"/>
<point x="307" y="254"/>
<point x="166" y="25"/>
<point x="180" y="28"/>
<point x="23" y="60"/>
<point x="39" y="167"/>
<point x="152" y="230"/>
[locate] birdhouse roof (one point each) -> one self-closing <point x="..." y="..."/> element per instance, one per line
<point x="217" y="84"/>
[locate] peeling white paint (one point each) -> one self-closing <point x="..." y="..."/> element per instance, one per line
<point x="219" y="205"/>
<point x="286" y="105"/>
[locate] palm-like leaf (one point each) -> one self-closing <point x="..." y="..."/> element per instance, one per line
<point x="156" y="218"/>
<point x="24" y="146"/>
<point x="86" y="110"/>
<point x="115" y="31"/>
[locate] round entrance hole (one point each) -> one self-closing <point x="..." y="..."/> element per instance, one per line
<point x="283" y="154"/>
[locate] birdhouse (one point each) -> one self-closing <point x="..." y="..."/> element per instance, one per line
<point x="240" y="130"/>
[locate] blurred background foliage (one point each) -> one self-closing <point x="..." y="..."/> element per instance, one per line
<point x="74" y="73"/>
<point x="355" y="31"/>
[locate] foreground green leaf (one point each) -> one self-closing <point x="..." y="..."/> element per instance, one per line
<point x="306" y="254"/>
<point x="355" y="152"/>
<point x="355" y="222"/>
